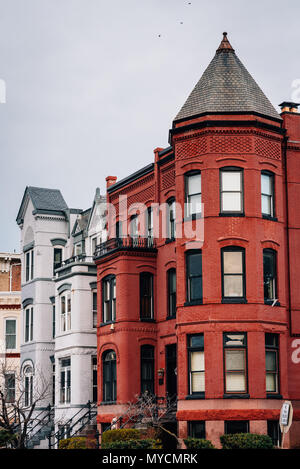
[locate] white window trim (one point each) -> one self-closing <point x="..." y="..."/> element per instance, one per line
<point x="65" y="318"/>
<point x="10" y="318"/>
<point x="30" y="324"/>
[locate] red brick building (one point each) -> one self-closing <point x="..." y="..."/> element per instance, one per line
<point x="214" y="323"/>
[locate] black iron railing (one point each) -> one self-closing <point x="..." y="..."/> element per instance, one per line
<point x="128" y="243"/>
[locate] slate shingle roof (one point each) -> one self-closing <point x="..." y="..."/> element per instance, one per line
<point x="47" y="199"/>
<point x="226" y="86"/>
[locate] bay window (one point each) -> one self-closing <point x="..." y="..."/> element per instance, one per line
<point x="194" y="276"/>
<point x="196" y="364"/>
<point x="65" y="381"/>
<point x="109" y="298"/>
<point x="272" y="361"/>
<point x="233" y="274"/>
<point x="109" y="376"/>
<point x="65" y="311"/>
<point x="267" y="194"/>
<point x="270" y="275"/>
<point x="193" y="193"/>
<point x="146" y="296"/>
<point x="235" y="363"/>
<point x="231" y="191"/>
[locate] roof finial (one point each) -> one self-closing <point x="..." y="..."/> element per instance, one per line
<point x="225" y="45"/>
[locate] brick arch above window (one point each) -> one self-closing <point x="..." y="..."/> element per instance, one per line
<point x="106" y="347"/>
<point x="270" y="244"/>
<point x="233" y="241"/>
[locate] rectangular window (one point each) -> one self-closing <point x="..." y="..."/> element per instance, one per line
<point x="57" y="262"/>
<point x="233" y="273"/>
<point x="267" y="194"/>
<point x="65" y="311"/>
<point x="65" y="381"/>
<point x="146" y="295"/>
<point x="196" y="364"/>
<point x="10" y="387"/>
<point x="109" y="299"/>
<point x="270" y="275"/>
<point x="236" y="426"/>
<point x="231" y="181"/>
<point x="194" y="276"/>
<point x="197" y="429"/>
<point x="94" y="294"/>
<point x="10" y="334"/>
<point x="235" y="363"/>
<point x="171" y="219"/>
<point x="171" y="293"/>
<point x="272" y="361"/>
<point x="29" y="265"/>
<point x="28" y="324"/>
<point x="193" y="194"/>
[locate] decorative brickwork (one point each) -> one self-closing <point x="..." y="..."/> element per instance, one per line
<point x="230" y="144"/>
<point x="191" y="147"/>
<point x="268" y="148"/>
<point x="168" y="178"/>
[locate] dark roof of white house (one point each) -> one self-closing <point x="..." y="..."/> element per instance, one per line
<point x="226" y="87"/>
<point x="47" y="200"/>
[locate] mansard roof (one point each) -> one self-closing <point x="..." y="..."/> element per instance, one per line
<point x="226" y="87"/>
<point x="43" y="200"/>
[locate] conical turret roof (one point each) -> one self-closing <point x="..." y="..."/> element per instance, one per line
<point x="225" y="87"/>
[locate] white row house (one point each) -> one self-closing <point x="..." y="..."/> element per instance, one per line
<point x="59" y="307"/>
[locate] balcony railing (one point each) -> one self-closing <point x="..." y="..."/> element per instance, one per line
<point x="128" y="243"/>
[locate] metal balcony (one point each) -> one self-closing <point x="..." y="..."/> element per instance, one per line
<point x="125" y="244"/>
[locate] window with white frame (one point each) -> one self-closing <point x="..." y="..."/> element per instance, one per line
<point x="65" y="311"/>
<point x="231" y="190"/>
<point x="193" y="193"/>
<point x="267" y="193"/>
<point x="10" y="333"/>
<point x="235" y="358"/>
<point x="65" y="381"/>
<point x="196" y="364"/>
<point x="28" y="333"/>
<point x="29" y="265"/>
<point x="109" y="298"/>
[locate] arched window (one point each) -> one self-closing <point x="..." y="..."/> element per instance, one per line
<point x="109" y="298"/>
<point x="146" y="295"/>
<point x="109" y="376"/>
<point x="147" y="369"/>
<point x="28" y="385"/>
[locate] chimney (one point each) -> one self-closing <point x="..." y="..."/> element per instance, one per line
<point x="288" y="106"/>
<point x="291" y="120"/>
<point x="110" y="180"/>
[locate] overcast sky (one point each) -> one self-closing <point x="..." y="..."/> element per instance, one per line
<point x="92" y="89"/>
